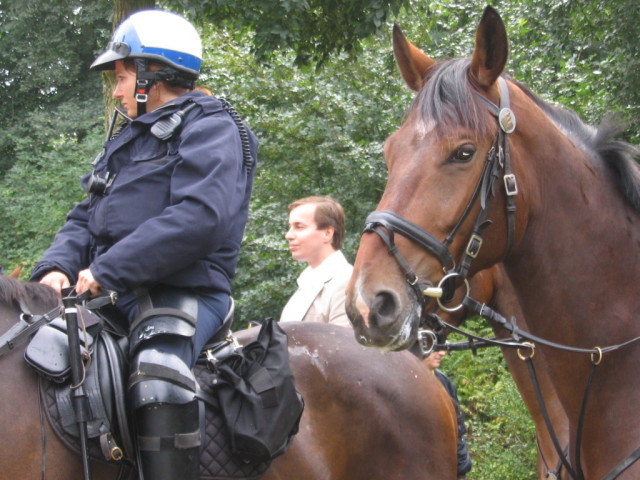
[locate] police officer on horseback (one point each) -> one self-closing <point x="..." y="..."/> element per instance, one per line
<point x="166" y="207"/>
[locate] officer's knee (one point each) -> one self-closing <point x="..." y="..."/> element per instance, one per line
<point x="160" y="377"/>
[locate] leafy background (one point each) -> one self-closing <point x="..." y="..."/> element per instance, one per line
<point x="316" y="80"/>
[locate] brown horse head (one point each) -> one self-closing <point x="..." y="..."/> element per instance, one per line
<point x="435" y="161"/>
<point x="483" y="171"/>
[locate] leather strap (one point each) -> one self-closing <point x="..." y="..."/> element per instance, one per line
<point x="26" y="326"/>
<point x="395" y="223"/>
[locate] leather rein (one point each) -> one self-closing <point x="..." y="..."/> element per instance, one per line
<point x="386" y="224"/>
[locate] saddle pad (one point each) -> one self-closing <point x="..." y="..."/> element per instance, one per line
<point x="216" y="460"/>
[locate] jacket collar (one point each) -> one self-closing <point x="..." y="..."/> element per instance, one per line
<point x="324" y="272"/>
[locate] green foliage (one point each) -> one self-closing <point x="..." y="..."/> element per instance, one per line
<point x="321" y="133"/>
<point x="579" y="54"/>
<point x="321" y="130"/>
<point x="45" y="52"/>
<point x="500" y="432"/>
<point x="313" y="29"/>
<point x="43" y="185"/>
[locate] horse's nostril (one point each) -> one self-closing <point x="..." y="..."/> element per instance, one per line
<point x="385" y="303"/>
<point x="385" y="307"/>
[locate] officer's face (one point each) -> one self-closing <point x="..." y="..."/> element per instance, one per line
<point x="125" y="88"/>
<point x="434" y="359"/>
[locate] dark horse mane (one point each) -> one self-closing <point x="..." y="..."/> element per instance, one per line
<point x="13" y="291"/>
<point x="449" y="100"/>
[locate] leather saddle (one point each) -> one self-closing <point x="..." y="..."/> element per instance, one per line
<point x="109" y="426"/>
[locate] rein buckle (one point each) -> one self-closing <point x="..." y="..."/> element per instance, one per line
<point x="510" y="184"/>
<point x="474" y="245"/>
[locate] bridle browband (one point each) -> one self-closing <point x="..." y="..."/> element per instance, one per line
<point x="386" y="223"/>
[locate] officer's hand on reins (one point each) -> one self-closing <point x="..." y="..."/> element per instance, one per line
<point x="86" y="282"/>
<point x="56" y="280"/>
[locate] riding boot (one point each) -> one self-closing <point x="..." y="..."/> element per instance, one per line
<point x="169" y="441"/>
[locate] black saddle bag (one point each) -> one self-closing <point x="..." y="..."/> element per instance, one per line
<point x="48" y="350"/>
<point x="258" y="398"/>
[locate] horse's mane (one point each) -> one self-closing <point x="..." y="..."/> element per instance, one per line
<point x="11" y="290"/>
<point x="619" y="156"/>
<point x="30" y="293"/>
<point x="448" y="100"/>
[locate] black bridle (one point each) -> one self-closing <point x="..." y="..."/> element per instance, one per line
<point x="386" y="223"/>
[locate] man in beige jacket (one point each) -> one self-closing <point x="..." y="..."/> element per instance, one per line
<point x="316" y="232"/>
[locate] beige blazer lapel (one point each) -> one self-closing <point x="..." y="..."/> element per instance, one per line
<point x="300" y="302"/>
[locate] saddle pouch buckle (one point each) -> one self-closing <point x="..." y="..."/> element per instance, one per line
<point x="48" y="350"/>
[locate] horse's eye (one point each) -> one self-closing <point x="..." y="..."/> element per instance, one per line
<point x="463" y="154"/>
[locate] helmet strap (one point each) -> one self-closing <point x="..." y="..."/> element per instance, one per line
<point x="176" y="78"/>
<point x="144" y="81"/>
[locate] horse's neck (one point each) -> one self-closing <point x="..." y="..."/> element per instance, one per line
<point x="577" y="258"/>
<point x="9" y="315"/>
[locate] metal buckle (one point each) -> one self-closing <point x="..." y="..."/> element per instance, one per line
<point x="426" y="340"/>
<point x="211" y="358"/>
<point x="510" y="184"/>
<point x="113" y="297"/>
<point x="223" y="349"/>
<point x="474" y="245"/>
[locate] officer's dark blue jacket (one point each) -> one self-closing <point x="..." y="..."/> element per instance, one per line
<point x="464" y="459"/>
<point x="176" y="210"/>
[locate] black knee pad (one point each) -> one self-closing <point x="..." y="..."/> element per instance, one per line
<point x="163" y="311"/>
<point x="162" y="392"/>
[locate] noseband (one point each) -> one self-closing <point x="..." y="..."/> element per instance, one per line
<point x="386" y="223"/>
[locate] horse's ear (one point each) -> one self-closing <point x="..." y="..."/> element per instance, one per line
<point x="414" y="63"/>
<point x="492" y="49"/>
<point x="16" y="272"/>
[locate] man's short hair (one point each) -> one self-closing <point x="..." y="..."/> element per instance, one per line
<point x="328" y="213"/>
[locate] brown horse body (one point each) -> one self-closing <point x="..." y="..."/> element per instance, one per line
<point x="571" y="259"/>
<point x="367" y="415"/>
<point x="492" y="287"/>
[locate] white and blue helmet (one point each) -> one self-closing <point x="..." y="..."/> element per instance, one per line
<point x="158" y="36"/>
